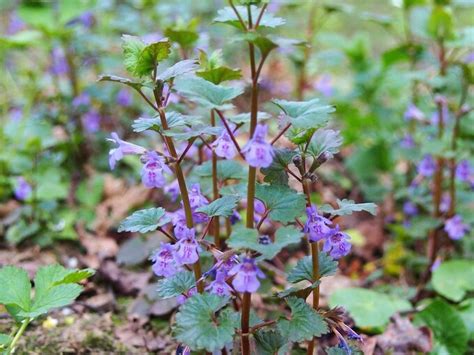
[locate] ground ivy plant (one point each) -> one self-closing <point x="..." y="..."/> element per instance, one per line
<point x="54" y="286"/>
<point x="243" y="187"/>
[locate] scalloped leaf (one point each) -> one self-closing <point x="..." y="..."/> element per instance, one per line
<point x="284" y="203"/>
<point x="141" y="58"/>
<point x="144" y="221"/>
<point x="304" y="270"/>
<point x="347" y="207"/>
<point x="176" y="285"/>
<point x="228" y="16"/>
<point x="223" y="206"/>
<point x="324" y="141"/>
<point x="306" y="114"/>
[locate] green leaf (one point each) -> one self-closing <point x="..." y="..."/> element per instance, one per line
<point x="368" y="308"/>
<point x="301" y="290"/>
<point x="183" y="67"/>
<point x="263" y="43"/>
<point x="284" y="203"/>
<point x="245" y="117"/>
<point x="144" y="221"/>
<point x="194" y="131"/>
<point x="270" y="342"/>
<point x="304" y="269"/>
<point x="219" y="74"/>
<point x="346" y="207"/>
<point x="176" y="285"/>
<point x="204" y="92"/>
<point x="441" y="23"/>
<point x="226" y="170"/>
<point x="21" y="39"/>
<point x="174" y="119"/>
<point x="305" y="114"/>
<point x="117" y="79"/>
<point x="304" y="324"/>
<point x="246" y="238"/>
<point x="223" y="206"/>
<point x="200" y="327"/>
<point x="466" y="311"/>
<point x="228" y="16"/>
<point x="276" y="172"/>
<point x="21" y="231"/>
<point x="454" y="278"/>
<point x="18" y="292"/>
<point x="185" y="37"/>
<point x="324" y="141"/>
<point x="450" y="334"/>
<point x="141" y="58"/>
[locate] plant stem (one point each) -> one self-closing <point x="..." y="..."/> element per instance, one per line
<point x="245" y="323"/>
<point x="306" y="52"/>
<point x="184" y="193"/>
<point x="215" y="188"/>
<point x="18" y="334"/>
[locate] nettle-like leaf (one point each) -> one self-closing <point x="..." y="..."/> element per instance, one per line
<point x="144" y="221"/>
<point x="176" y="285"/>
<point x="346" y="207"/>
<point x="301" y="290"/>
<point x="228" y="16"/>
<point x="118" y="79"/>
<point x="368" y="308"/>
<point x="276" y="172"/>
<point x="270" y="342"/>
<point x="18" y="292"/>
<point x="306" y="114"/>
<point x="284" y="203"/>
<point x="242" y="118"/>
<point x="141" y="58"/>
<point x="226" y="170"/>
<point x="183" y="34"/>
<point x="304" y="324"/>
<point x="246" y="238"/>
<point x="204" y="92"/>
<point x="324" y="141"/>
<point x="450" y="333"/>
<point x="195" y="130"/>
<point x="213" y="70"/>
<point x="201" y="326"/>
<point x="174" y="119"/>
<point x="181" y="68"/>
<point x="454" y="278"/>
<point x="223" y="206"/>
<point x="304" y="269"/>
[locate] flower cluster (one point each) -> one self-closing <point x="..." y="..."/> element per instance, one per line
<point x="336" y="242"/>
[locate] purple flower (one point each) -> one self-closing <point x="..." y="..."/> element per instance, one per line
<point x="435" y="265"/>
<point x="445" y="202"/>
<point x="464" y="171"/>
<point x="22" y="189"/>
<point x="187" y="248"/>
<point x="413" y="113"/>
<point x="223" y="146"/>
<point x="16" y="114"/>
<point x="196" y="199"/>
<point x="410" y="209"/>
<point x="427" y="166"/>
<point x="153" y="169"/>
<point x="124" y="98"/>
<point x="407" y="142"/>
<point x="124" y="148"/>
<point x="15" y="24"/>
<point x="219" y="286"/>
<point x="59" y="64"/>
<point x="164" y="263"/>
<point x="324" y="86"/>
<point x="82" y="100"/>
<point x="246" y="276"/>
<point x="172" y="189"/>
<point x="316" y="226"/>
<point x="455" y="228"/>
<point x="91" y="121"/>
<point x="469" y="58"/>
<point x="337" y="243"/>
<point x="445" y="113"/>
<point x="87" y="19"/>
<point x="259" y="153"/>
<point x="182" y="298"/>
<point x="234" y="217"/>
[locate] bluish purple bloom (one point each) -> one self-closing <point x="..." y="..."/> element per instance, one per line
<point x="153" y="170"/>
<point x="164" y="263"/>
<point x="259" y="153"/>
<point x="91" y="121"/>
<point x="183" y="297"/>
<point x="410" y="209"/>
<point x="16" y="114"/>
<point x="196" y="199"/>
<point x="124" y="148"/>
<point x="234" y="217"/>
<point x="445" y="112"/>
<point x="82" y="100"/>
<point x="337" y="243"/>
<point x="455" y="227"/>
<point x="316" y="225"/>
<point x="87" y="19"/>
<point x="324" y="85"/>
<point x="464" y="171"/>
<point x="413" y="113"/>
<point x="407" y="142"/>
<point x="172" y="189"/>
<point x="124" y="98"/>
<point x="445" y="202"/>
<point x="427" y="166"/>
<point x="187" y="248"/>
<point x="469" y="58"/>
<point x="22" y="189"/>
<point x="15" y="24"/>
<point x="223" y="146"/>
<point x="59" y="65"/>
<point x="246" y="276"/>
<point x="436" y="264"/>
<point x="219" y="286"/>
